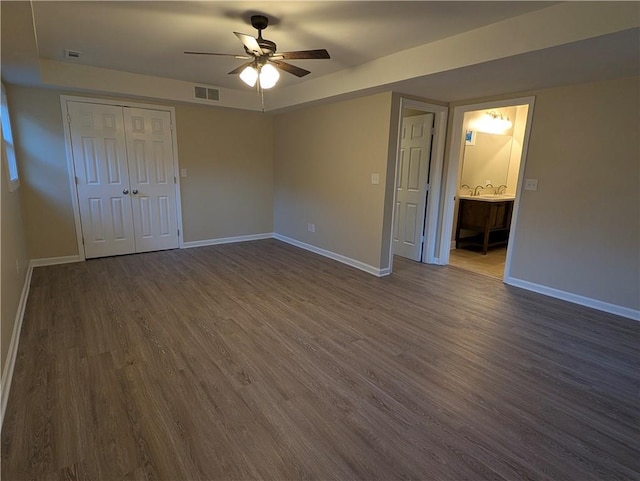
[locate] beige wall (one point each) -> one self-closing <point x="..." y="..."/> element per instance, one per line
<point x="580" y="231"/>
<point x="519" y="128"/>
<point x="228" y="190"/>
<point x="45" y="193"/>
<point x="228" y="155"/>
<point x="13" y="249"/>
<point x="324" y="158"/>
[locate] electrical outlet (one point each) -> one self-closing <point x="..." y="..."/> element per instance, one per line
<point x="487" y="182"/>
<point x="531" y="184"/>
<point x="311" y="227"/>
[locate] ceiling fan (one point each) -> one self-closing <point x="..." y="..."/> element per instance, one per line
<point x="264" y="60"/>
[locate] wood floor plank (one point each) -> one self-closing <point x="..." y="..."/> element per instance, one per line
<point x="258" y="360"/>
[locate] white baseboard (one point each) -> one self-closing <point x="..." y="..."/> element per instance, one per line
<point x="384" y="272"/>
<point x="575" y="298"/>
<point x="54" y="261"/>
<point x="336" y="257"/>
<point x="227" y="240"/>
<point x="10" y="361"/>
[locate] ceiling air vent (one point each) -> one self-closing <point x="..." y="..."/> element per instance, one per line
<point x="205" y="93"/>
<point x="72" y="54"/>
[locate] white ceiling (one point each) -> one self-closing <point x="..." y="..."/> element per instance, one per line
<point x="150" y="37"/>
<point x="446" y="50"/>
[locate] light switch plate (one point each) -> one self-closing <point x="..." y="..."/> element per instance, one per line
<point x="375" y="179"/>
<point x="183" y="172"/>
<point x="531" y="184"/>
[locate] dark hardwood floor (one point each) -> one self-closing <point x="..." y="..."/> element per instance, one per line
<point x="262" y="361"/>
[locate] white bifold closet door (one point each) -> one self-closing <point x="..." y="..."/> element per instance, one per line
<point x="124" y="166"/>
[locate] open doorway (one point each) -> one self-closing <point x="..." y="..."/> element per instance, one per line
<point x="484" y="178"/>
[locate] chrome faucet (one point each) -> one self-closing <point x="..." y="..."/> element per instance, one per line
<point x="501" y="189"/>
<point x="476" y="192"/>
<point x="465" y="186"/>
<point x="490" y="185"/>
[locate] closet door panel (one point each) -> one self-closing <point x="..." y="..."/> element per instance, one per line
<point x="102" y="178"/>
<point x="151" y="171"/>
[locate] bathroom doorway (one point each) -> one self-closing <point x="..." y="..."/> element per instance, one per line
<point x="484" y="176"/>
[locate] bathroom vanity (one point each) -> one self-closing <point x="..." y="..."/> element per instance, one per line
<point x="484" y="221"/>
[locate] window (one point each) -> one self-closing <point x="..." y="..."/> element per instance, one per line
<point x="7" y="145"/>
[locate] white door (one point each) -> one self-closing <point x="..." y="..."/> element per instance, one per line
<point x="102" y="178"/>
<point x="412" y="185"/>
<point x="151" y="174"/>
<point x="124" y="166"/>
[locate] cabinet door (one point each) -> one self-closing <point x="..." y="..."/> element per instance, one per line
<point x="151" y="172"/>
<point x="502" y="215"/>
<point x="102" y="178"/>
<point x="474" y="214"/>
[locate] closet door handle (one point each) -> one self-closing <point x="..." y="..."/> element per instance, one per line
<point x="125" y="191"/>
<point x="134" y="191"/>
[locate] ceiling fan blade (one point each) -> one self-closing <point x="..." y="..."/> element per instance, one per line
<point x="250" y="43"/>
<point x="305" y="54"/>
<point x="218" y="54"/>
<point x="292" y="69"/>
<point x="239" y="70"/>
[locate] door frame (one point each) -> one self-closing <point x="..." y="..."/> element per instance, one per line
<point x="450" y="182"/>
<point x="71" y="167"/>
<point x="430" y="220"/>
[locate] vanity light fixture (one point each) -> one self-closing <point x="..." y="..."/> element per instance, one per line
<point x="495" y="123"/>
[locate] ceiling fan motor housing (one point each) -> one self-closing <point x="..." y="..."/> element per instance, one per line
<point x="260" y="22"/>
<point x="267" y="46"/>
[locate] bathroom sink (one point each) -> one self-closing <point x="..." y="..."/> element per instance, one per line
<point x="500" y="196"/>
<point x="488" y="197"/>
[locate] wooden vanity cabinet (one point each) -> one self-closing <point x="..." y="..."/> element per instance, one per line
<point x="485" y="223"/>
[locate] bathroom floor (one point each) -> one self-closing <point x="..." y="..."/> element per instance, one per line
<point x="491" y="264"/>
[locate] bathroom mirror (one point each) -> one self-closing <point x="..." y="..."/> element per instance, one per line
<point x="486" y="160"/>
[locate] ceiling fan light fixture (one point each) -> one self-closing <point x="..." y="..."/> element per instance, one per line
<point x="269" y="76"/>
<point x="249" y="76"/>
<point x="264" y="61"/>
